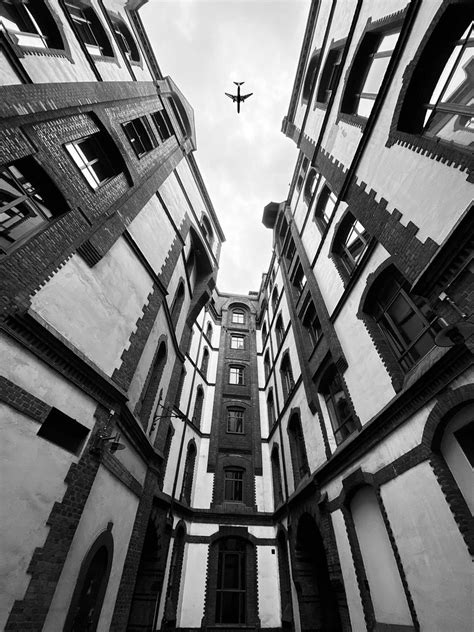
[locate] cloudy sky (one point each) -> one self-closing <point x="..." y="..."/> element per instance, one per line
<point x="245" y="160"/>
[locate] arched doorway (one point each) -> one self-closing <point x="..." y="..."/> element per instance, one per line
<point x="317" y="599"/>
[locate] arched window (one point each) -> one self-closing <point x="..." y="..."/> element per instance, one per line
<point x="125" y="39"/>
<point x="324" y="208"/>
<point x="238" y="316"/>
<point x="234" y="484"/>
<point x="311" y="76"/>
<point x="197" y="414"/>
<point x="350" y="243"/>
<point x="276" y="477"/>
<point x="167" y="449"/>
<point x="89" y="593"/>
<point x="310" y="185"/>
<point x="299" y="459"/>
<point x="338" y="405"/>
<point x="205" y="361"/>
<point x="174" y="578"/>
<point x="264" y="332"/>
<point x="28" y="201"/>
<point x="285" y="583"/>
<point x="30" y="24"/>
<point x="298" y="280"/>
<point x="235" y="420"/>
<point x="406" y="322"/>
<point x="266" y="365"/>
<point x="279" y="330"/>
<point x="286" y="371"/>
<point x="386" y="588"/>
<point x="275" y="299"/>
<point x="209" y="332"/>
<point x="188" y="474"/>
<point x="177" y="304"/>
<point x="236" y="374"/>
<point x="179" y="390"/>
<point x="368" y="69"/>
<point x="271" y="409"/>
<point x="311" y="324"/>
<point x="145" y="404"/>
<point x="438" y="99"/>
<point x="89" y="29"/>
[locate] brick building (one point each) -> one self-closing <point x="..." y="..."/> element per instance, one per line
<point x="295" y="458"/>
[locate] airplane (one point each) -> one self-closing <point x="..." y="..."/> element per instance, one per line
<point x="238" y="97"/>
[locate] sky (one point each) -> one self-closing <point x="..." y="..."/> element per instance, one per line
<point x="245" y="160"/>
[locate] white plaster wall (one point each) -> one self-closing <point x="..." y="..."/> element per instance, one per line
<point x="351" y="587"/>
<point x="35" y="471"/>
<point x="130" y="458"/>
<point x="108" y="501"/>
<point x="8" y="76"/>
<point x="173" y="456"/>
<point x="206" y="419"/>
<point x="262" y="406"/>
<point x="269" y="607"/>
<point x="193" y="585"/>
<point x="261" y="532"/>
<point x="435" y="558"/>
<point x="153" y="233"/>
<point x="96" y="308"/>
<point x="174" y="199"/>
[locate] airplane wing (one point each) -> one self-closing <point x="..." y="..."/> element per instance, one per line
<point x="232" y="96"/>
<point x="245" y="96"/>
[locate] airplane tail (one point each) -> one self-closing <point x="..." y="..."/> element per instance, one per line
<point x="239" y="83"/>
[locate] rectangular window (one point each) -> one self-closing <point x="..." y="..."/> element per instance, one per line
<point x="235" y="421"/>
<point x="236" y="342"/>
<point x="238" y="317"/>
<point x="233" y="485"/>
<point x="236" y="375"/>
<point x="63" y="431"/>
<point x="163" y="124"/>
<point x="140" y="135"/>
<point x="231" y="583"/>
<point x="91" y="156"/>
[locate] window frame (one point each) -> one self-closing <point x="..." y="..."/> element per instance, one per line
<point x="286" y="374"/>
<point x="234" y="484"/>
<point x="238" y="316"/>
<point x="320" y="215"/>
<point x="33" y="27"/>
<point x="241" y="590"/>
<point x="162" y="122"/>
<point x="235" y="413"/>
<point x="345" y="262"/>
<point x="140" y="135"/>
<point x="330" y="387"/>
<point x="85" y="166"/>
<point x="238" y="371"/>
<point x="234" y="337"/>
<point x="87" y="22"/>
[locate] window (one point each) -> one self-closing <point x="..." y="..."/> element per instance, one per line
<point x="90" y="30"/>
<point x="163" y="124"/>
<point x="329" y="75"/>
<point x="140" y="135"/>
<point x="311" y="76"/>
<point x="438" y="101"/>
<point x="205" y="361"/>
<point x="279" y="330"/>
<point x="407" y="323"/>
<point x="146" y="403"/>
<point x="286" y="375"/>
<point x="266" y="365"/>
<point x="209" y="332"/>
<point x="264" y="332"/>
<point x="275" y="298"/>
<point x="276" y="476"/>
<point x="339" y="409"/>
<point x="298" y="280"/>
<point x="238" y="316"/>
<point x="207" y="230"/>
<point x="311" y="184"/>
<point x="350" y="243"/>
<point x="92" y="156"/>
<point x="324" y="207"/>
<point x="125" y="39"/>
<point x="63" y="431"/>
<point x="188" y="474"/>
<point x="30" y="24"/>
<point x="197" y="414"/>
<point x="233" y="485"/>
<point x="457" y="447"/>
<point x="236" y="375"/>
<point x="231" y="582"/>
<point x="237" y="342"/>
<point x="367" y="72"/>
<point x="235" y="420"/>
<point x="28" y="200"/>
<point x="290" y="250"/>
<point x="271" y="410"/>
<point x="177" y="304"/>
<point x="311" y="324"/>
<point x="298" y="450"/>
